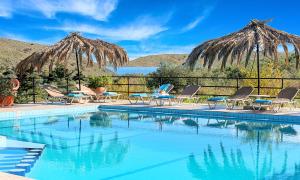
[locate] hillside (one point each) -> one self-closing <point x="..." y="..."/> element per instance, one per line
<point x="155" y="60"/>
<point x="12" y="51"/>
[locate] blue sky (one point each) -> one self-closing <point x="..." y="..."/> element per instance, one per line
<point x="142" y="27"/>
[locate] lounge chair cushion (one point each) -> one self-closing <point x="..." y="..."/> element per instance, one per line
<point x="263" y="101"/>
<point x="110" y="94"/>
<point x="138" y="95"/>
<point x="164" y="87"/>
<point x="166" y="97"/>
<point x="75" y="95"/>
<point x="281" y="101"/>
<point x="216" y="99"/>
<point x="156" y="95"/>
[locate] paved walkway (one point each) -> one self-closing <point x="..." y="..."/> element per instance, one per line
<point x="42" y="106"/>
<point x="19" y="108"/>
<point x="9" y="143"/>
<point x="5" y="176"/>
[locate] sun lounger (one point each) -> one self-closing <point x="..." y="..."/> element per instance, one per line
<point x="55" y="94"/>
<point x="109" y="96"/>
<point x="166" y="88"/>
<point x="159" y="100"/>
<point x="285" y="96"/>
<point x="95" y="96"/>
<point x="137" y="97"/>
<point x="187" y="93"/>
<point x="213" y="101"/>
<point x="240" y="96"/>
<point x="87" y="91"/>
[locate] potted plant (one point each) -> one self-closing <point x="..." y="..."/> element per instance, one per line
<point x="6" y="92"/>
<point x="99" y="83"/>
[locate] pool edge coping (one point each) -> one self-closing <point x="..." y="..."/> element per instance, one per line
<point x="243" y="115"/>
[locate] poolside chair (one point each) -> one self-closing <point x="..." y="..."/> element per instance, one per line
<point x="95" y="96"/>
<point x="54" y="94"/>
<point x="187" y="93"/>
<point x="87" y="91"/>
<point x="109" y="96"/>
<point x="285" y="96"/>
<point x="166" y="88"/>
<point x="240" y="96"/>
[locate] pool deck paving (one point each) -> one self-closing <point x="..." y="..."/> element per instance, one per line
<point x="6" y="176"/>
<point x="9" y="143"/>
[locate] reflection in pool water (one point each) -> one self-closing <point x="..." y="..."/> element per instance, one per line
<point x="126" y="145"/>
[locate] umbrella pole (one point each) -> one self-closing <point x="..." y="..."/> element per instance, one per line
<point x="257" y="59"/>
<point x="78" y="70"/>
<point x="258" y="69"/>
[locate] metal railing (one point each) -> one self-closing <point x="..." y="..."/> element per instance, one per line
<point x="236" y="83"/>
<point x="210" y="86"/>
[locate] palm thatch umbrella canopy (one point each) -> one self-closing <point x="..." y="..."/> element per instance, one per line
<point x="240" y="45"/>
<point x="102" y="52"/>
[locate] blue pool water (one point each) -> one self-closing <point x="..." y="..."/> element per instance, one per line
<point x="128" y="145"/>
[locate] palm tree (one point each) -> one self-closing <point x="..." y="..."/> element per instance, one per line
<point x="102" y="52"/>
<point x="238" y="45"/>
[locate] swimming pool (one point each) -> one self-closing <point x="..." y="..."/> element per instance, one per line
<point x="134" y="145"/>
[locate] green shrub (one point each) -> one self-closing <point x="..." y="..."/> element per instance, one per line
<point x="100" y="81"/>
<point x="179" y="76"/>
<point x="25" y="91"/>
<point x="25" y="97"/>
<point x="5" y="86"/>
<point x="234" y="72"/>
<point x="5" y="83"/>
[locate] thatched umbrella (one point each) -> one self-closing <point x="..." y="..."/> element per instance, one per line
<point x="103" y="53"/>
<point x="240" y="45"/>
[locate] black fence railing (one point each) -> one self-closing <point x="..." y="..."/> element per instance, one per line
<point x="208" y="82"/>
<point x="210" y="86"/>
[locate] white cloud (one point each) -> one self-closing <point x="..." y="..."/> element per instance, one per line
<point x="140" y="29"/>
<point x="193" y="24"/>
<point x="97" y="9"/>
<point x="5" y="8"/>
<point x="198" y="20"/>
